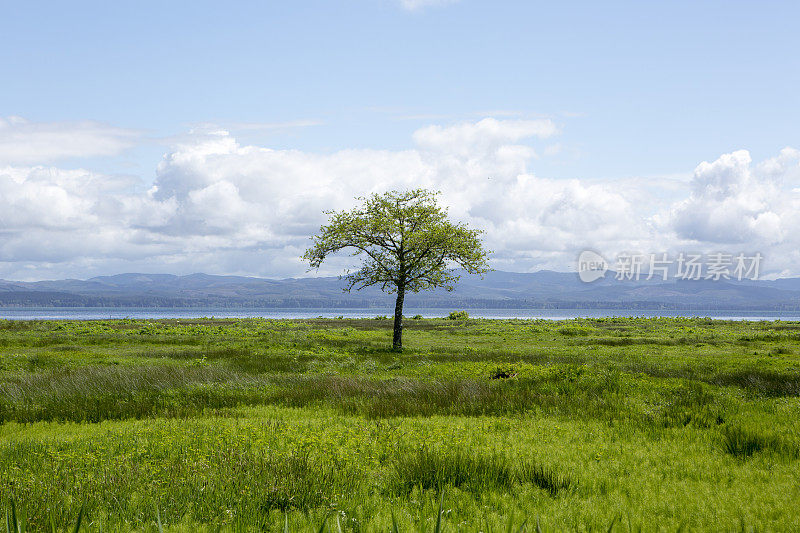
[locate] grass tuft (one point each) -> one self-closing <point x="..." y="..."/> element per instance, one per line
<point x="744" y="443"/>
<point x="437" y="469"/>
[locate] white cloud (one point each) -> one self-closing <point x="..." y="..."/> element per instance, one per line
<point x="413" y="5"/>
<point x="55" y="215"/>
<point x="220" y="206"/>
<point x="733" y="202"/>
<point x="205" y="127"/>
<point x="23" y="142"/>
<point x="215" y="198"/>
<point x="484" y="135"/>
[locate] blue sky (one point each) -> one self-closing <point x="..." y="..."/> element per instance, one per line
<point x="635" y="92"/>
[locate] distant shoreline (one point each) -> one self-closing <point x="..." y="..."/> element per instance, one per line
<point x="152" y="313"/>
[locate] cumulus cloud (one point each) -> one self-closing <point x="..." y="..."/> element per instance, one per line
<point x="220" y="206"/>
<point x="734" y="202"/>
<point x="56" y="215"/>
<point x="23" y="142"/>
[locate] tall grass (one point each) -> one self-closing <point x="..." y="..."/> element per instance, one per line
<point x="436" y="469"/>
<point x="18" y="524"/>
<point x="593" y="396"/>
<point x="96" y="393"/>
<point x="762" y="381"/>
<point x="743" y="443"/>
<point x="624" y="407"/>
<point x="254" y="484"/>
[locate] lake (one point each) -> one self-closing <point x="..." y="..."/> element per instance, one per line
<point x="103" y="313"/>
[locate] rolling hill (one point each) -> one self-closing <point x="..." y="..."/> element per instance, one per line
<point x="543" y="289"/>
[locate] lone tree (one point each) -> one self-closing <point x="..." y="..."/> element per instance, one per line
<point x="406" y="243"/>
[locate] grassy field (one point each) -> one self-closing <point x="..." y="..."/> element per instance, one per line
<point x="609" y="424"/>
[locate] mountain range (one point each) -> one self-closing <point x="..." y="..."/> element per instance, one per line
<point x="497" y="289"/>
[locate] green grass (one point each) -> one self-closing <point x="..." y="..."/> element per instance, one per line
<point x="437" y="469"/>
<point x="621" y="424"/>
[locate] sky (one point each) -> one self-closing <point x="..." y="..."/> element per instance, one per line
<point x="181" y="137"/>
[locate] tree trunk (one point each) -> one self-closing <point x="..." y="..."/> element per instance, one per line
<point x="397" y="339"/>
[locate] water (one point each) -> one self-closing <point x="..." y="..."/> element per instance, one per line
<point x="104" y="313"/>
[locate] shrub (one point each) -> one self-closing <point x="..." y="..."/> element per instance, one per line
<point x="458" y="315"/>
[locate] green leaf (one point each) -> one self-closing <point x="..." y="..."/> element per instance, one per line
<point x="14" y="516"/>
<point x="611" y="525"/>
<point x="438" y="528"/>
<point x="510" y="523"/>
<point x="80" y="518"/>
